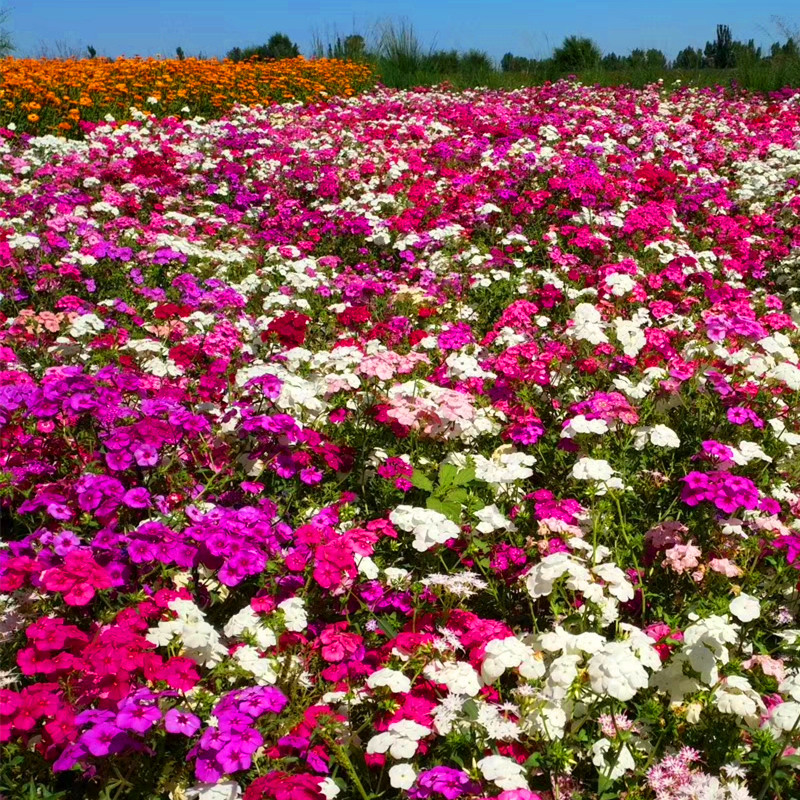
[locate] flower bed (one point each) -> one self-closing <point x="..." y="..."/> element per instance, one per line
<point x="416" y="445"/>
<point x="42" y="96"/>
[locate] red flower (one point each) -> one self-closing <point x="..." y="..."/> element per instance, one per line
<point x="290" y="329"/>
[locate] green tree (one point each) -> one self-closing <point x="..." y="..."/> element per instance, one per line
<point x="689" y="58"/>
<point x="281" y="46"/>
<point x="611" y="61"/>
<point x="180" y="54"/>
<point x="277" y="47"/>
<point x="655" y="59"/>
<point x="91" y="51"/>
<point x="577" y="53"/>
<point x="720" y="53"/>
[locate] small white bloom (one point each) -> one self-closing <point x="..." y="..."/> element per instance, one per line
<point x="392" y="678"/>
<point x="503" y="772"/>
<point x="615" y="671"/>
<point x="784" y="717"/>
<point x="459" y="677"/>
<point x="745" y="608"/>
<point x="612" y="763"/>
<point x="402" y="776"/>
<point x="592" y="469"/>
<point x="662" y="436"/>
<point x="400" y="740"/>
<point x="226" y="790"/>
<point x="294" y="613"/>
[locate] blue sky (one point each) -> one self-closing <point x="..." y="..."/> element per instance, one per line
<point x="524" y="27"/>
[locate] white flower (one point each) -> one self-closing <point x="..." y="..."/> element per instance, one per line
<point x="294" y="614"/>
<point x="86" y="324"/>
<point x="496" y="725"/>
<point x="508" y="653"/>
<point x="784" y="718"/>
<point x="458" y="676"/>
<point x="392" y="678"/>
<point x="402" y="776"/>
<point x="250" y="659"/>
<point x="745" y="608"/>
<point x="662" y="436"/>
<point x="580" y="424"/>
<point x="226" y="790"/>
<point x="612" y="763"/>
<point x="400" y="740"/>
<point x="630" y="336"/>
<point x="588" y="324"/>
<point x="428" y="526"/>
<point x="616" y="581"/>
<point x="790" y="686"/>
<point x="592" y="469"/>
<point x="543" y="575"/>
<point x="619" y="283"/>
<point x="491" y="520"/>
<point x="704" y="645"/>
<point x="615" y="671"/>
<point x="247" y="621"/>
<point x="329" y="788"/>
<point x="736" y="696"/>
<point x="503" y="772"/>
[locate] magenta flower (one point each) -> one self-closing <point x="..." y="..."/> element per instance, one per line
<point x="104" y="739"/>
<point x="181" y="721"/>
<point x="138" y="718"/>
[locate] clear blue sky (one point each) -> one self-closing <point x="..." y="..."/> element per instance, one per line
<point x="524" y="27"/>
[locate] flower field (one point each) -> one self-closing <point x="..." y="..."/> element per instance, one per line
<point x="407" y="445"/>
<point x="42" y="96"/>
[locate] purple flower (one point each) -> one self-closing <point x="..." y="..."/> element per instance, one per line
<point x="118" y="460"/>
<point x="104" y="739"/>
<point x="146" y="455"/>
<point x="138" y="718"/>
<point x="235" y="756"/>
<point x="179" y="721"/>
<point x="446" y="781"/>
<point x="66" y="541"/>
<point x="137" y="498"/>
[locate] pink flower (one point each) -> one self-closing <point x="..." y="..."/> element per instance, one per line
<point x="681" y="558"/>
<point x="336" y="645"/>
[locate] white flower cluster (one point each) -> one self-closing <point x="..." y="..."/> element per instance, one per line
<point x="428" y="526"/>
<point x="603" y="584"/>
<point x="658" y="435"/>
<point x="600" y="472"/>
<point x="200" y="640"/>
<point x="399" y="740"/>
<point x="588" y="324"/>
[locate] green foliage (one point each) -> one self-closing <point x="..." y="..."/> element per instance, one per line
<point x="577" y="53"/>
<point x="449" y="494"/>
<point x="277" y="47"/>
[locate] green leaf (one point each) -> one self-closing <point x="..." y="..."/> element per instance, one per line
<point x="388" y="627"/>
<point x="421" y="482"/>
<point x="459" y="496"/>
<point x="451" y="510"/>
<point x="465" y="475"/>
<point x="470" y="709"/>
<point x="447" y="474"/>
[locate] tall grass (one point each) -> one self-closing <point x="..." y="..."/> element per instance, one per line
<point x="401" y="61"/>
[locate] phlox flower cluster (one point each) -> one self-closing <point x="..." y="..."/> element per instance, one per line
<point x="415" y="444"/>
